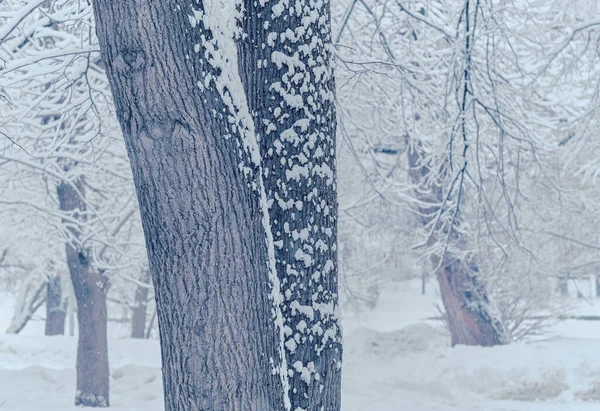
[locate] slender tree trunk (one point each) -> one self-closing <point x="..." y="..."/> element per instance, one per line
<point x="56" y="307"/>
<point x="150" y="324"/>
<point x="90" y="292"/>
<point x="138" y="319"/>
<point x="242" y="288"/>
<point x="71" y="308"/>
<point x="471" y="317"/>
<point x="563" y="286"/>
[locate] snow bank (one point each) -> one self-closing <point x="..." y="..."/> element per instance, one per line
<point x="38" y="373"/>
<point x="369" y="343"/>
<point x="415" y="369"/>
<point x="394" y="359"/>
<point x="412" y="368"/>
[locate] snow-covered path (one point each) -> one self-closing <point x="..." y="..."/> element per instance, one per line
<point x="392" y="361"/>
<point x="409" y="369"/>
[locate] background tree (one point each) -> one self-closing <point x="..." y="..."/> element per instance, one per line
<point x="70" y="156"/>
<point x="457" y="82"/>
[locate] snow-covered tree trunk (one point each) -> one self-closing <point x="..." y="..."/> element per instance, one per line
<point x="246" y="290"/>
<point x="285" y="64"/>
<point x="56" y="307"/>
<point x="90" y="289"/>
<point x="201" y="217"/>
<point x="472" y="319"/>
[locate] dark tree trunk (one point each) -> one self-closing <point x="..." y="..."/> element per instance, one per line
<point x="138" y="318"/>
<point x="205" y="199"/>
<point x="470" y="315"/>
<point x="90" y="292"/>
<point x="150" y="324"/>
<point x="56" y="307"/>
<point x="200" y="215"/>
<point x="563" y="286"/>
<point x="292" y="99"/>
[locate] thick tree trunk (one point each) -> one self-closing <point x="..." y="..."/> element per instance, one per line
<point x="292" y="101"/>
<point x="56" y="307"/>
<point x="220" y="253"/>
<point x="138" y="318"/>
<point x="471" y="318"/>
<point x="201" y="217"/>
<point x="90" y="293"/>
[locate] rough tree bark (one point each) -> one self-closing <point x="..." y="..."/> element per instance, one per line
<point x="291" y="96"/>
<point x="90" y="288"/>
<point x="56" y="307"/>
<point x="138" y="318"/>
<point x="222" y="256"/>
<point x="199" y="213"/>
<point x="470" y="315"/>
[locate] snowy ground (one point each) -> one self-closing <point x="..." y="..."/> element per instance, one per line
<point x="394" y="360"/>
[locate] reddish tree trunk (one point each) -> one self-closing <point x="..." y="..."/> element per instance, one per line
<point x="470" y="315"/>
<point x="467" y="307"/>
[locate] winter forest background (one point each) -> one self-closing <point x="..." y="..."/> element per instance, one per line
<point x="467" y="155"/>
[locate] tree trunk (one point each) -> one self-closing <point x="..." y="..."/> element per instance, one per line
<point x="151" y="324"/>
<point x="71" y="308"/>
<point x="563" y="286"/>
<point x="90" y="293"/>
<point x="292" y="98"/>
<point x="200" y="215"/>
<point x="138" y="319"/>
<point x="206" y="198"/>
<point x="56" y="307"/>
<point x="471" y="318"/>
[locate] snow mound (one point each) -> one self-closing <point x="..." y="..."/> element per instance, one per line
<point x="412" y="368"/>
<point x="38" y="373"/>
<point x="18" y="351"/>
<point x="410" y="339"/>
<point x="547" y="385"/>
<point x="415" y="368"/>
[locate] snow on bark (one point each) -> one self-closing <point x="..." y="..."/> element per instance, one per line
<point x="289" y="149"/>
<point x="471" y="316"/>
<point x="290" y="91"/>
<point x="220" y="52"/>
